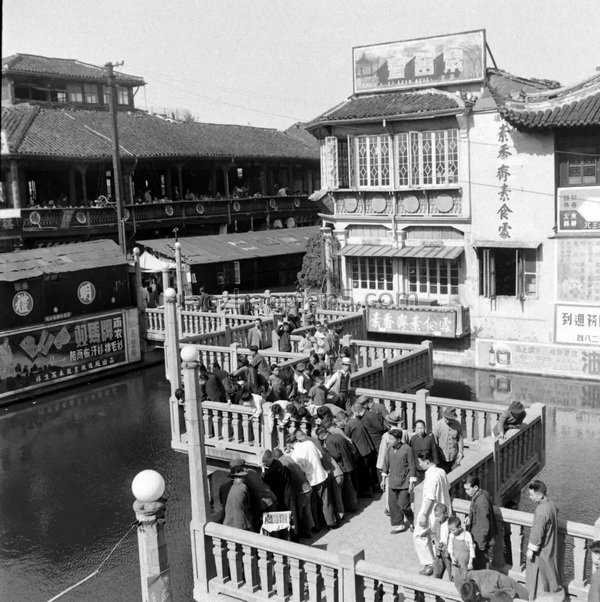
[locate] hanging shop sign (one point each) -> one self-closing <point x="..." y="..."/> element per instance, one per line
<point x="579" y="209"/>
<point x="439" y="323"/>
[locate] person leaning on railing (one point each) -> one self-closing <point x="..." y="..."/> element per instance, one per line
<point x="511" y="418"/>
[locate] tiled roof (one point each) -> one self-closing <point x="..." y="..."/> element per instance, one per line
<point x="389" y="105"/>
<point x="572" y="106"/>
<point x="231" y="247"/>
<point x="506" y="85"/>
<point x="67" y="68"/>
<point x="78" y="133"/>
<point x="20" y="265"/>
<point x="299" y="131"/>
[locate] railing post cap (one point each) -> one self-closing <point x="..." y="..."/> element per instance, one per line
<point x="170" y="294"/>
<point x="178" y="245"/>
<point x="136" y="252"/>
<point x="189" y="353"/>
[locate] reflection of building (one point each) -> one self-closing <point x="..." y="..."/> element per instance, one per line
<point x="450" y="195"/>
<point x="56" y="151"/>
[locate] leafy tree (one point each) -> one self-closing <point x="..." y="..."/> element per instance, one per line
<point x="313" y="272"/>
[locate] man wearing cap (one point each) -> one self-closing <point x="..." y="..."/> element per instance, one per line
<point x="449" y="439"/>
<point x="421" y="441"/>
<point x="399" y="477"/>
<point x="302" y="379"/>
<point x="238" y="512"/>
<point x="259" y="363"/>
<point x="372" y="422"/>
<point x="339" y="383"/>
<point x="512" y="418"/>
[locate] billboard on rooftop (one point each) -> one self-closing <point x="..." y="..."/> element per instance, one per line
<point x="425" y="62"/>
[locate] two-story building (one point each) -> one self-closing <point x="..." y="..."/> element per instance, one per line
<point x="56" y="151"/>
<point x="451" y="220"/>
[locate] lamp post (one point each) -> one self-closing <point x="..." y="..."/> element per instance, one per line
<point x="149" y="507"/>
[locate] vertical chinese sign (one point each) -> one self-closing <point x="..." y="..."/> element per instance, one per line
<point x="42" y="356"/>
<point x="502" y="175"/>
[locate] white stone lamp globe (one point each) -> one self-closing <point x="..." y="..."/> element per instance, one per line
<point x="189" y="354"/>
<point x="148" y="486"/>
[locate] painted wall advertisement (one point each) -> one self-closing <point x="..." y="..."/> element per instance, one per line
<point x="578" y="270"/>
<point x="579" y="324"/>
<point x="37" y="357"/>
<point x="449" y="59"/>
<point x="440" y="323"/>
<point x="552" y="360"/>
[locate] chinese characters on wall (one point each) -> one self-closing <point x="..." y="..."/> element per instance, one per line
<point x="433" y="323"/>
<point x="578" y="277"/>
<point x="502" y="175"/>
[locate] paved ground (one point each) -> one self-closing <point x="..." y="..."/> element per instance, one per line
<point x="369" y="529"/>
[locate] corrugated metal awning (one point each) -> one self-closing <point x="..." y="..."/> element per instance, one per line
<point x="424" y="251"/>
<point x="508" y="244"/>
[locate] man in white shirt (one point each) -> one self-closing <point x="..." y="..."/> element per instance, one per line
<point x="308" y="456"/>
<point x="435" y="490"/>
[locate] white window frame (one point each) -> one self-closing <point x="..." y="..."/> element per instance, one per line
<point x="523" y="278"/>
<point x="429" y="273"/>
<point x="329" y="163"/>
<point x="367" y="271"/>
<point x="237" y="275"/>
<point x="374" y="162"/>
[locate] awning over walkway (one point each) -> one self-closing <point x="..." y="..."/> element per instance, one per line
<point x="508" y="244"/>
<point x="424" y="251"/>
<point x="149" y="263"/>
<point x="232" y="247"/>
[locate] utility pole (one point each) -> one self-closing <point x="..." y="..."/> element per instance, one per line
<point x="116" y="158"/>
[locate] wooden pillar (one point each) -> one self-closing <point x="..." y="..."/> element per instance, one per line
<point x="263" y="179"/>
<point x="72" y="188"/>
<point x="84" y="198"/>
<point x="179" y="167"/>
<point x="213" y="181"/>
<point x="15" y="188"/>
<point x="169" y="184"/>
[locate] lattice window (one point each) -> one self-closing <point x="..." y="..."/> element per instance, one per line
<point x="433" y="276"/>
<point x="373" y="161"/>
<point x="329" y="163"/>
<point x="402" y="161"/>
<point x="372" y="273"/>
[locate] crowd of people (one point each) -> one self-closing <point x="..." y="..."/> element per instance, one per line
<point x="332" y="448"/>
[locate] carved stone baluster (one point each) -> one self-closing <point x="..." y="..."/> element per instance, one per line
<point x="329" y="575"/>
<point x="220" y="559"/>
<point x="249" y="561"/>
<point x="206" y="420"/>
<point x="246" y="428"/>
<point x="255" y="425"/>
<point x="297" y="579"/>
<point x="470" y="420"/>
<point x="389" y="592"/>
<point x="214" y="424"/>
<point x="234" y="557"/>
<point x="579" y="552"/>
<point x="265" y="569"/>
<point x="312" y="580"/>
<point x="281" y="576"/>
<point x="516" y="540"/>
<point x="369" y="589"/>
<point x="410" y="595"/>
<point x="427" y="597"/>
<point x="235" y="426"/>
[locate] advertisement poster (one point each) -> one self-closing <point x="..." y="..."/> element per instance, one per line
<point x="578" y="273"/>
<point x="440" y="323"/>
<point x="552" y="360"/>
<point x="449" y="59"/>
<point x="579" y="209"/>
<point x="36" y="357"/>
<point x="579" y="324"/>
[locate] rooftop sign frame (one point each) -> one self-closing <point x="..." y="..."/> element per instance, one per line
<point x="450" y="59"/>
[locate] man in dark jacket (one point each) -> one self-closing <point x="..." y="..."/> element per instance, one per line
<point x="481" y="522"/>
<point x="211" y="387"/>
<point x="421" y="441"/>
<point x="366" y="472"/>
<point x="399" y="477"/>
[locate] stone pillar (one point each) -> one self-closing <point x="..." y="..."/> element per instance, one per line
<point x="179" y="167"/>
<point x="421" y="407"/>
<point x="150" y="512"/>
<point x="348" y="588"/>
<point x="178" y="274"/>
<point x="201" y="559"/>
<point x="172" y="371"/>
<point x="141" y="306"/>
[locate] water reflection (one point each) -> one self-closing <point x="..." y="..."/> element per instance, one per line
<point x="66" y="465"/>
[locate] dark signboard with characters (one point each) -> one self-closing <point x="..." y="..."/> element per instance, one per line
<point x="39" y="357"/>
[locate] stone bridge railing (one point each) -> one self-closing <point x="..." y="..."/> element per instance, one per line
<point x="574" y="538"/>
<point x="248" y="566"/>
